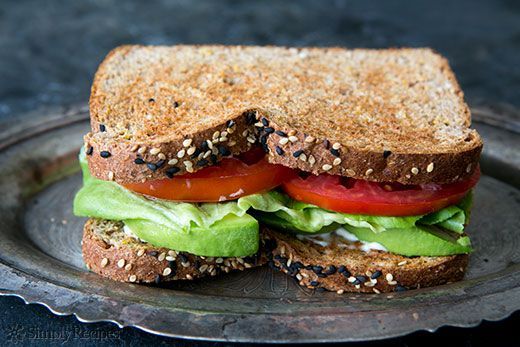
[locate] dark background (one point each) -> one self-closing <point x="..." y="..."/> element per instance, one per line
<point x="49" y="51"/>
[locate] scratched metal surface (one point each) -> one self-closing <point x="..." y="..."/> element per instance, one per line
<point x="40" y="257"/>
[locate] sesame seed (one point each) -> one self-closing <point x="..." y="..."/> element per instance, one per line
<point x="376" y="274"/>
<point x="280" y="133"/>
<point x="429" y="168"/>
<point x="170" y="258"/>
<point x="161" y="256"/>
<point x="402" y="263"/>
<point x="350" y="172"/>
<point x="415" y="170"/>
<point x="392" y="283"/>
<point x="140" y="252"/>
<point x="468" y="168"/>
<point x="415" y="315"/>
<point x="90" y="150"/>
<point x="283" y="141"/>
<point x="216" y="135"/>
<point x="341" y="291"/>
<point x="188" y="277"/>
<point x="187" y="142"/>
<point x="167" y="271"/>
<point x="104" y="262"/>
<point x="251" y="139"/>
<point x="209" y="144"/>
<point x="376" y="291"/>
<point x="128" y="267"/>
<point x="334" y="152"/>
<point x="369" y="172"/>
<point x="279" y="150"/>
<point x="303" y="157"/>
<point x="230" y="123"/>
<point x="389" y="277"/>
<point x="223" y="139"/>
<point x="336" y="145"/>
<point x="336" y="161"/>
<point x="386" y="154"/>
<point x="139" y="161"/>
<point x="151" y="166"/>
<point x="203" y="268"/>
<point x="326" y="167"/>
<point x="297" y="153"/>
<point x="293" y="138"/>
<point x="132" y="278"/>
<point x="105" y="154"/>
<point x="352" y="279"/>
<point x="269" y="130"/>
<point x="121" y="263"/>
<point x="181" y="153"/>
<point x="190" y="150"/>
<point x="309" y="139"/>
<point x="291" y="132"/>
<point x="161" y="156"/>
<point x="245" y="133"/>
<point x="185" y="264"/>
<point x="102" y="128"/>
<point x="134" y="148"/>
<point x="154" y="151"/>
<point x="172" y="171"/>
<point x="173" y="161"/>
<point x="142" y="150"/>
<point x="369" y="284"/>
<point x="110" y="176"/>
<point x="219" y="261"/>
<point x="312" y="160"/>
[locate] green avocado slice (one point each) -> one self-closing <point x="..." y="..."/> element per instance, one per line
<point x="416" y="241"/>
<point x="231" y="236"/>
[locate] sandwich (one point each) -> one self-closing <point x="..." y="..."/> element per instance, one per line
<point x="349" y="170"/>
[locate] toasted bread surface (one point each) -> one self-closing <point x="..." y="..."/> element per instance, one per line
<point x="343" y="269"/>
<point x="108" y="251"/>
<point x="381" y="115"/>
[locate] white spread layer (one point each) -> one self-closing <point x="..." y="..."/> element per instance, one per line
<point x="346" y="239"/>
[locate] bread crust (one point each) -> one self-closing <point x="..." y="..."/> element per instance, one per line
<point x="302" y="259"/>
<point x="401" y="156"/>
<point x="126" y="259"/>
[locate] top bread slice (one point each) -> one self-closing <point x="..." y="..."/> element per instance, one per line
<point x="394" y="115"/>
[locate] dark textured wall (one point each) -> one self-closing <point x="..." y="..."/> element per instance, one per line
<point x="50" y="49"/>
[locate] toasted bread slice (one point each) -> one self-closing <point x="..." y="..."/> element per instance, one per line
<point x="382" y="115"/>
<point x="353" y="270"/>
<point x="108" y="251"/>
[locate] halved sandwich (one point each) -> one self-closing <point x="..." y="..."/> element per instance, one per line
<point x="350" y="170"/>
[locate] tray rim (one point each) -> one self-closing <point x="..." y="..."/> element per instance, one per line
<point x="79" y="113"/>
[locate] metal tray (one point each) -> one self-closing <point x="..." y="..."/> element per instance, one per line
<point x="40" y="257"/>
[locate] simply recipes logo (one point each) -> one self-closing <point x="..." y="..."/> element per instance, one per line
<point x="24" y="333"/>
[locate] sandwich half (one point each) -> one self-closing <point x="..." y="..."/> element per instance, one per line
<point x="349" y="170"/>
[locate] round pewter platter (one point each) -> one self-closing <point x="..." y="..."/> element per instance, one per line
<point x="40" y="256"/>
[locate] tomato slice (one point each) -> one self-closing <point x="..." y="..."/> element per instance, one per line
<point x="230" y="179"/>
<point x="353" y="196"/>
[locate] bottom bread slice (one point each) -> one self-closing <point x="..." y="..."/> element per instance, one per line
<point x="346" y="268"/>
<point x="110" y="252"/>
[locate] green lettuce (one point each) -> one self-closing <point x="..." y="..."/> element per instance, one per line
<point x="229" y="229"/>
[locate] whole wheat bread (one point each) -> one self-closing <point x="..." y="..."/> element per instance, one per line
<point x="108" y="251"/>
<point x="380" y="115"/>
<point x="343" y="269"/>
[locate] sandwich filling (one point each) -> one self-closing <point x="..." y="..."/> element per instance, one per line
<point x="216" y="211"/>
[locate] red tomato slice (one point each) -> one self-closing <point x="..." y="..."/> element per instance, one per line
<point x="230" y="179"/>
<point x="353" y="196"/>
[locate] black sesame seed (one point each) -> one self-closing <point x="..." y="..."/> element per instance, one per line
<point x="356" y="282"/>
<point x="151" y="100"/>
<point x="321" y="275"/>
<point x="386" y="154"/>
<point x="361" y="279"/>
<point x="308" y="267"/>
<point x="102" y="128"/>
<point x="172" y="265"/>
<point x="376" y="274"/>
<point x="157" y="279"/>
<point x="151" y="166"/>
<point x="213" y="159"/>
<point x="153" y="253"/>
<point x="326" y="143"/>
<point x="320" y="289"/>
<point x="277" y="257"/>
<point x="346" y="273"/>
<point x="176" y="104"/>
<point x="250" y="117"/>
<point x="342" y="269"/>
<point x="298" y="265"/>
<point x="139" y="161"/>
<point x="279" y="150"/>
<point x="204" y="146"/>
<point x="334" y="152"/>
<point x="297" y="153"/>
<point x="223" y="151"/>
<point x="202" y="162"/>
<point x="105" y="154"/>
<point x="230" y="123"/>
<point x="280" y="133"/>
<point x="160" y="163"/>
<point x="90" y="150"/>
<point x="317" y="269"/>
<point x="265" y="122"/>
<point x="172" y="171"/>
<point x="314" y="283"/>
<point x="183" y="258"/>
<point x="330" y="270"/>
<point x="400" y="289"/>
<point x="197" y="264"/>
<point x="269" y="130"/>
<point x="195" y="154"/>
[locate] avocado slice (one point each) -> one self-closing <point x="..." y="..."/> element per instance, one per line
<point x="231" y="236"/>
<point x="416" y="241"/>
